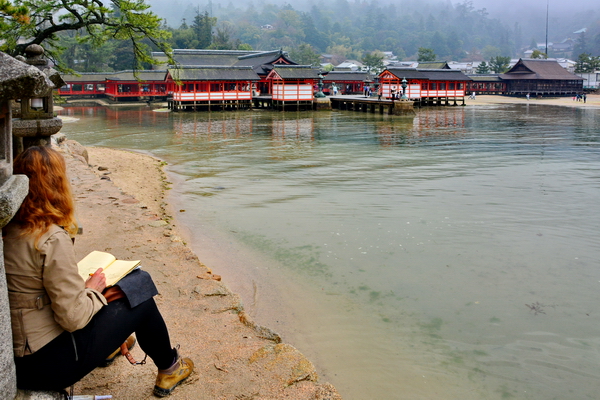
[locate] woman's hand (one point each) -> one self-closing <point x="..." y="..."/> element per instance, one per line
<point x="96" y="281"/>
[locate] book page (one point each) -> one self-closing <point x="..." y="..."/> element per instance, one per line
<point x="90" y="263"/>
<point x="118" y="269"/>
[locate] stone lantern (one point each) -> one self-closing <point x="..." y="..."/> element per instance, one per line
<point x="34" y="121"/>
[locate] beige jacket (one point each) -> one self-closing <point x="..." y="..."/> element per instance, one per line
<point x="46" y="294"/>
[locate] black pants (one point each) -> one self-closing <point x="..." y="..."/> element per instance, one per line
<point x="71" y="356"/>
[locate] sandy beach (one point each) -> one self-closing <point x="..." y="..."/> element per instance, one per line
<point x="592" y="101"/>
<point x="120" y="206"/>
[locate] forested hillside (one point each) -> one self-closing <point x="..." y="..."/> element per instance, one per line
<point x="344" y="29"/>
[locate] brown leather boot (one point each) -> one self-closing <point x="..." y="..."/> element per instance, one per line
<point x="168" y="379"/>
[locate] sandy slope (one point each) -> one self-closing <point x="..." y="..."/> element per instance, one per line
<point x="121" y="210"/>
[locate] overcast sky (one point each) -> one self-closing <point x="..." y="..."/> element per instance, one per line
<point x="556" y="6"/>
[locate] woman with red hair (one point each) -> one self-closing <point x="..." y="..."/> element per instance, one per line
<point x="63" y="327"/>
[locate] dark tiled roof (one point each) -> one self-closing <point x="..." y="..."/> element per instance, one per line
<point x="408" y="73"/>
<point x="200" y="57"/>
<point x="129" y="75"/>
<point x="347" y="76"/>
<point x="212" y="73"/>
<point x="262" y="62"/>
<point x="85" y="77"/>
<point x="527" y="68"/>
<point x="485" y="78"/>
<point x="203" y="57"/>
<point x="264" y="57"/>
<point x="429" y="74"/>
<point x="433" y="65"/>
<point x="296" y="71"/>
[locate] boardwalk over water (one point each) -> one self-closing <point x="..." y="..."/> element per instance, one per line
<point x="372" y="104"/>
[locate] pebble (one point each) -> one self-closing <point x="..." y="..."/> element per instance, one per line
<point x="159" y="223"/>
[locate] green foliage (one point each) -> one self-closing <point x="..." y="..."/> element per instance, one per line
<point x="587" y="63"/>
<point x="222" y="39"/>
<point x="92" y="21"/>
<point x="373" y="61"/>
<point x="499" y="64"/>
<point x="305" y="55"/>
<point x="328" y="67"/>
<point x="490" y="51"/>
<point x="581" y="45"/>
<point x="595" y="45"/>
<point x="539" y="54"/>
<point x="482" y="68"/>
<point x="202" y="27"/>
<point x="184" y="38"/>
<point x="78" y="55"/>
<point x="426" y="54"/>
<point x="10" y="14"/>
<point x="244" y="46"/>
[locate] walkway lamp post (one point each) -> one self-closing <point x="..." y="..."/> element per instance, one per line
<point x="320" y="93"/>
<point x="404" y="85"/>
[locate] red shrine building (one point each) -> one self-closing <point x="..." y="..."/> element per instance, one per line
<point x="424" y="86"/>
<point x="116" y="86"/>
<point x="204" y="79"/>
<point x="292" y="85"/>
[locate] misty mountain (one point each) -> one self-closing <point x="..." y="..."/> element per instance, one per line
<point x="564" y="17"/>
<point x="469" y="30"/>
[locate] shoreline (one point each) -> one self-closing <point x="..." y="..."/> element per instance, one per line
<point x="593" y="101"/>
<point x="233" y="355"/>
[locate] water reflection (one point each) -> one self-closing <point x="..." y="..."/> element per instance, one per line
<point x="213" y="125"/>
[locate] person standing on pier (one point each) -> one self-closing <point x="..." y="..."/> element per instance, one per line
<point x="379" y="92"/>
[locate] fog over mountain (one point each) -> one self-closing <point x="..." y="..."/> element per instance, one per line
<point x="525" y="17"/>
<point x="509" y="11"/>
<point x="564" y="17"/>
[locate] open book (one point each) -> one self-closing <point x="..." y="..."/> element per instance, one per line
<point x="113" y="269"/>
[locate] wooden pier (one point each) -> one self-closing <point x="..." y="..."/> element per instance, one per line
<point x="372" y="105"/>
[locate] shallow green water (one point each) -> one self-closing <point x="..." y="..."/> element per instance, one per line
<point x="453" y="255"/>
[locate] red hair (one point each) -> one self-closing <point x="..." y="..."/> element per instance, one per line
<point x="49" y="201"/>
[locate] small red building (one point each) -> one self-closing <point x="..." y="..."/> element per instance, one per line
<point x="261" y="62"/>
<point x="293" y="85"/>
<point x="424" y="86"/>
<point x="143" y="85"/>
<point x="116" y="85"/>
<point x="348" y="82"/>
<point x="211" y="87"/>
<point x="486" y="84"/>
<point x="84" y="85"/>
